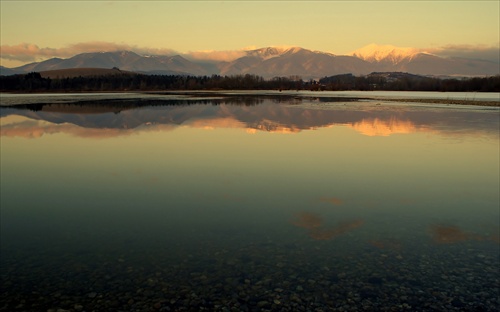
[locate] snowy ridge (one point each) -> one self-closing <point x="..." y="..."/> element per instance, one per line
<point x="275" y="61"/>
<point x="377" y="53"/>
<point x="271" y="52"/>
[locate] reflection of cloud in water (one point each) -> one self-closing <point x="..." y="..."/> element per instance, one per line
<point x="314" y="224"/>
<point x="307" y="220"/>
<point x="214" y="123"/>
<point x="450" y="234"/>
<point x="275" y="127"/>
<point x="333" y="232"/>
<point x="332" y="200"/>
<point x="283" y="119"/>
<point x="31" y="129"/>
<point x="233" y="123"/>
<point x="379" y="127"/>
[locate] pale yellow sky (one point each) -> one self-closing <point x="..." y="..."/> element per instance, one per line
<point x="36" y="30"/>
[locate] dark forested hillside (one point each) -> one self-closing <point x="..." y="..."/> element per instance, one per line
<point x="396" y="81"/>
<point x="34" y="82"/>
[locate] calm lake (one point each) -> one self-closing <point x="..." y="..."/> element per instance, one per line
<point x="248" y="202"/>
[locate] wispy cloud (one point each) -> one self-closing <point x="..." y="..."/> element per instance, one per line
<point x="210" y="55"/>
<point x="482" y="52"/>
<point x="27" y="52"/>
<point x="226" y="55"/>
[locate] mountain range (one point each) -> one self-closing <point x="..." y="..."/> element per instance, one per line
<point x="273" y="61"/>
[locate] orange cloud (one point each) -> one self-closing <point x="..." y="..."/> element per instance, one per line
<point x="226" y="55"/>
<point x="31" y="52"/>
<point x="28" y="52"/>
<point x="211" y="55"/>
<point x="480" y="51"/>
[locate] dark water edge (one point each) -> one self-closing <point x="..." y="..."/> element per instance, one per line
<point x="240" y="275"/>
<point x="135" y="99"/>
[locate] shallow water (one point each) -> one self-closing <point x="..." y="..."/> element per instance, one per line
<point x="248" y="203"/>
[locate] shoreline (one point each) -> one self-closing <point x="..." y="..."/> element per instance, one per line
<point x="443" y="101"/>
<point x="108" y="95"/>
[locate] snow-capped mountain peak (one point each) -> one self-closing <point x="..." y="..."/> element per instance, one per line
<point x="271" y="52"/>
<point x="276" y="61"/>
<point x="293" y="49"/>
<point x="378" y="53"/>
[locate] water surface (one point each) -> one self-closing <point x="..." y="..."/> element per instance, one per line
<point x="248" y="203"/>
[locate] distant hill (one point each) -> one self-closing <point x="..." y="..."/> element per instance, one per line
<point x="393" y="59"/>
<point x="82" y="72"/>
<point x="124" y="60"/>
<point x="271" y="62"/>
<point x="4" y="71"/>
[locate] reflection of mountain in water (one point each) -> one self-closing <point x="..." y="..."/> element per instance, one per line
<point x="450" y="234"/>
<point x="278" y="114"/>
<point x="379" y="127"/>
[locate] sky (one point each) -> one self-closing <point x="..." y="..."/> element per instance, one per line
<point x="38" y="30"/>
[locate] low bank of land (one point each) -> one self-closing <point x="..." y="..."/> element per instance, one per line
<point x="447" y="101"/>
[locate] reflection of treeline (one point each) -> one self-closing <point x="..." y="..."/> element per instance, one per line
<point x="34" y="82"/>
<point x="117" y="105"/>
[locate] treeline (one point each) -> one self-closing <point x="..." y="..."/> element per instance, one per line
<point x="408" y="82"/>
<point x="34" y="82"/>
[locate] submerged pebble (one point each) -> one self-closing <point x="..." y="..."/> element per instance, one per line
<point x="443" y="280"/>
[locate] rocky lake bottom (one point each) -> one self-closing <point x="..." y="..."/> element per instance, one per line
<point x="343" y="275"/>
